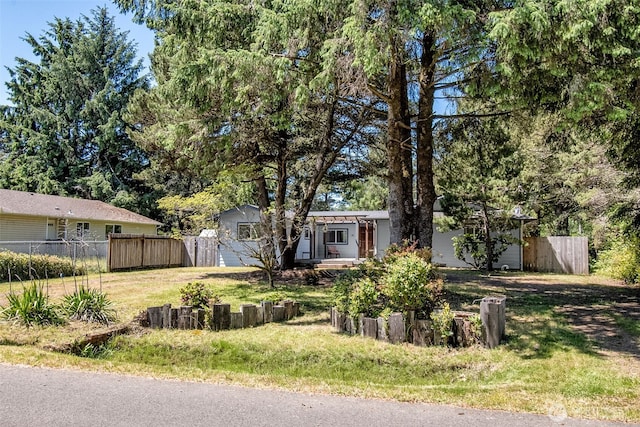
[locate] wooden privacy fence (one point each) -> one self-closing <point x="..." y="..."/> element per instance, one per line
<point x="200" y="251"/>
<point x="559" y="254"/>
<point x="128" y="251"/>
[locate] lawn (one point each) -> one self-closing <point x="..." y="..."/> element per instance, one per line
<point x="573" y="344"/>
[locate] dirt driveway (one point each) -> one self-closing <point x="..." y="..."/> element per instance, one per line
<point x="605" y="311"/>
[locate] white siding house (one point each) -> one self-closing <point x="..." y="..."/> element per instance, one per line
<point x="28" y="216"/>
<point x="347" y="235"/>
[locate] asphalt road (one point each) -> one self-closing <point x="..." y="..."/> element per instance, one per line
<point x="47" y="397"/>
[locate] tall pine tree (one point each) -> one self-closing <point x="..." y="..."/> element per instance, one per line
<point x="64" y="133"/>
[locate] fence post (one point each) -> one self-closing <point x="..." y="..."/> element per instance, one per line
<point x="492" y="313"/>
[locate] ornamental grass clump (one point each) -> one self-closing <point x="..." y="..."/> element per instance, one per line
<point x="89" y="305"/>
<point x="31" y="307"/>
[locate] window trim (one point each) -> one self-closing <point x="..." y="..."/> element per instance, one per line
<point x="83" y="229"/>
<point x="334" y="232"/>
<point x="244" y="236"/>
<point x="113" y="228"/>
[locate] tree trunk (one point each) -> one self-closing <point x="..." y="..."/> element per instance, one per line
<point x="399" y="150"/>
<point x="425" y="188"/>
<point x="486" y="225"/>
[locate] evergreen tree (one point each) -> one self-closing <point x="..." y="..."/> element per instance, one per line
<point x="64" y="133"/>
<point x="479" y="175"/>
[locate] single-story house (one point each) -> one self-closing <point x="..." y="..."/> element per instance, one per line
<point x="26" y="216"/>
<point x="345" y="235"/>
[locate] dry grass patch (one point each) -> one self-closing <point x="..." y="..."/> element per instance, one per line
<point x="548" y="363"/>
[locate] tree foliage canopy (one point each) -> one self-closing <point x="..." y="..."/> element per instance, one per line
<point x="64" y="133"/>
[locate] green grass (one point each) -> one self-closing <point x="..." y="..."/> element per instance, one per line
<point x="545" y="362"/>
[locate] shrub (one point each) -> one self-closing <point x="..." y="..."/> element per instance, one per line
<point x="89" y="305"/>
<point x="411" y="283"/>
<point x="342" y="287"/>
<point x="32" y="307"/>
<point x="364" y="298"/>
<point x="621" y="261"/>
<point x="197" y="295"/>
<point x="442" y="321"/>
<point x="24" y="266"/>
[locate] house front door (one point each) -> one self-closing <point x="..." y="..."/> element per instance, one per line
<point x="365" y="240"/>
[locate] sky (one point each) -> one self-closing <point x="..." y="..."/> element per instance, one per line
<point x="19" y="17"/>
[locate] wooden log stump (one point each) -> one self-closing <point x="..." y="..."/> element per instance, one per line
<point x="422" y="333"/>
<point x="236" y="320"/>
<point x="278" y="313"/>
<point x="166" y="316"/>
<point x="260" y="315"/>
<point x="288" y="309"/>
<point x="370" y="327"/>
<point x="249" y="315"/>
<point x="296" y="309"/>
<point x="154" y="315"/>
<point x="174" y="317"/>
<point x="268" y="311"/>
<point x="184" y="317"/>
<point x="199" y="316"/>
<point x="383" y="329"/>
<point x="396" y="328"/>
<point x="221" y="317"/>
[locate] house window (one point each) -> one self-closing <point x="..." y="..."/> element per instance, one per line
<point x="338" y="236"/>
<point x="247" y="231"/>
<point x="113" y="229"/>
<point x="306" y="234"/>
<point x="82" y="229"/>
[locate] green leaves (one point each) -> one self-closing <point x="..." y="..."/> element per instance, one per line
<point x="65" y="128"/>
<point x="89" y="305"/>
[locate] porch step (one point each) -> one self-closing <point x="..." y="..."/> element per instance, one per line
<point x="335" y="263"/>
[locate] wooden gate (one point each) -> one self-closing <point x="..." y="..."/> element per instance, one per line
<point x="557" y="254"/>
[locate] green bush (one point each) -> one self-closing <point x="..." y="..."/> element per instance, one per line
<point x="404" y="281"/>
<point x="32" y="307"/>
<point x="411" y="283"/>
<point x="621" y="261"/>
<point x="26" y="267"/>
<point x="342" y="288"/>
<point x="89" y="305"/>
<point x="364" y="298"/>
<point x="442" y="322"/>
<point x="197" y="295"/>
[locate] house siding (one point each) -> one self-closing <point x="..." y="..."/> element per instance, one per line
<point x="443" y="252"/>
<point x="22" y="228"/>
<point x="234" y="253"/>
<point x="29" y="228"/>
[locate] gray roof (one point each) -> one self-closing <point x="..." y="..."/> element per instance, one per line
<point x="348" y="215"/>
<point x="44" y="205"/>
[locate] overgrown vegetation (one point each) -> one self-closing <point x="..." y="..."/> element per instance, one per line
<point x="545" y="360"/>
<point x="32" y="307"/>
<point x="404" y="280"/>
<point x="14" y="266"/>
<point x="197" y="295"/>
<point x="620" y="261"/>
<point x="89" y="305"/>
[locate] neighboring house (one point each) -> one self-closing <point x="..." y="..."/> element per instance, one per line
<point x="28" y="216"/>
<point x="348" y="235"/>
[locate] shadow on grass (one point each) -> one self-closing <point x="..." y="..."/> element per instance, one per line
<point x="546" y="314"/>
